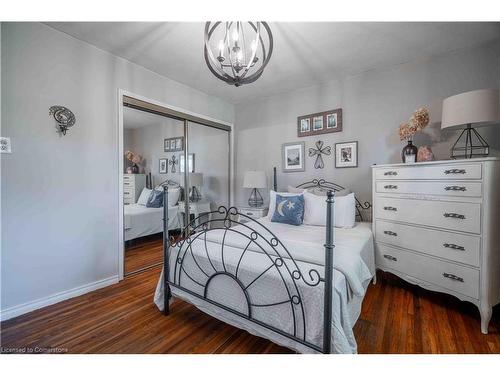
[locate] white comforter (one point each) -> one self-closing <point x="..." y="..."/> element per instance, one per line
<point x="139" y="220"/>
<point x="353" y="264"/>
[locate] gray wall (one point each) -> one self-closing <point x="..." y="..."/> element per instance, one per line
<point x="60" y="194"/>
<point x="373" y="104"/>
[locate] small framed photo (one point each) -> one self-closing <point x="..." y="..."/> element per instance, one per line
<point x="166" y="145"/>
<point x="163" y="166"/>
<point x="190" y="163"/>
<point x="331" y="121"/>
<point x="346" y="154"/>
<point x="293" y="157"/>
<point x="178" y="144"/>
<point x="172" y="144"/>
<point x="304" y="125"/>
<point x="317" y="123"/>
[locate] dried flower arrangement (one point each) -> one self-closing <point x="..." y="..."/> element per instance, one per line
<point x="418" y="121"/>
<point x="134" y="158"/>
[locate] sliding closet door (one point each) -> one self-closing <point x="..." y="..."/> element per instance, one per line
<point x="208" y="165"/>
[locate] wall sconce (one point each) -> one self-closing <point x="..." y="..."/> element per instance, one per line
<point x="63" y="116"/>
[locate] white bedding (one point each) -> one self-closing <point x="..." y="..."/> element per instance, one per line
<point x="142" y="221"/>
<point x="353" y="270"/>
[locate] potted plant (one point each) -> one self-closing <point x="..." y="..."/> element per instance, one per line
<point x="135" y="159"/>
<point x="407" y="130"/>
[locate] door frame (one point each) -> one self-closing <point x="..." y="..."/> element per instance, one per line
<point x="121" y="94"/>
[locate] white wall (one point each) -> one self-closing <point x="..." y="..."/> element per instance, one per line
<point x="60" y="193"/>
<point x="373" y="104"/>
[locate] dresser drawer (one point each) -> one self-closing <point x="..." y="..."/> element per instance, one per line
<point x="458" y="216"/>
<point x="460" y="279"/>
<point x="453" y="246"/>
<point x="450" y="189"/>
<point x="128" y="200"/>
<point x="128" y="183"/>
<point x="431" y="172"/>
<point x="128" y="177"/>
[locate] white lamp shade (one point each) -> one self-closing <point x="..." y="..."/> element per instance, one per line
<point x="195" y="179"/>
<point x="255" y="179"/>
<point x="479" y="107"/>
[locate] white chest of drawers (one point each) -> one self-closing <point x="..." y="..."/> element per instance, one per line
<point x="437" y="225"/>
<point x="132" y="187"/>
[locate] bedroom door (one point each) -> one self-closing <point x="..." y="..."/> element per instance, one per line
<point x="208" y="174"/>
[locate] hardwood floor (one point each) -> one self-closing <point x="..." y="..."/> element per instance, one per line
<point x="396" y="318"/>
<point x="143" y="252"/>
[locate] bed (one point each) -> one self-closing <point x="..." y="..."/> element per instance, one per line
<point x="270" y="278"/>
<point x="142" y="221"/>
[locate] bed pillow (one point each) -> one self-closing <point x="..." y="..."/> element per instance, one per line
<point x="344" y="210"/>
<point x="155" y="199"/>
<point x="321" y="191"/>
<point x="289" y="209"/>
<point x="173" y="196"/>
<point x="143" y="198"/>
<point x="272" y="201"/>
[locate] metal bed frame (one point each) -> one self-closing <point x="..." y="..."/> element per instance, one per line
<point x="279" y="259"/>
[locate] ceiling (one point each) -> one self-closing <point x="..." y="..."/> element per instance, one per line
<point x="305" y="54"/>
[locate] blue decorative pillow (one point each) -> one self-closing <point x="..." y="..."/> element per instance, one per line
<point x="155" y="199"/>
<point x="289" y="209"/>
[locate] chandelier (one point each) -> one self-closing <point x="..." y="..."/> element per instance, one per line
<point x="240" y="50"/>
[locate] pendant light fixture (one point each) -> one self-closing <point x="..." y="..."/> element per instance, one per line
<point x="242" y="50"/>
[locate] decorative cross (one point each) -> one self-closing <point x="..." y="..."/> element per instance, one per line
<point x="319" y="164"/>
<point x="173" y="162"/>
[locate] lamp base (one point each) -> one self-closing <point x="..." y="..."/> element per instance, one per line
<point x="194" y="195"/>
<point x="476" y="148"/>
<point x="255" y="199"/>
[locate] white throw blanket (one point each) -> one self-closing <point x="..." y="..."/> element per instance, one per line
<point x="302" y="244"/>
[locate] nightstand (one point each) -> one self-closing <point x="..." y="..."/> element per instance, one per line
<point x="252" y="212"/>
<point x="196" y="209"/>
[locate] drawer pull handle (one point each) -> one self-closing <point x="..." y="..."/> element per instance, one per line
<point x="249" y="213"/>
<point x="454" y="216"/>
<point x="455" y="188"/>
<point x="453" y="246"/>
<point x="390" y="173"/>
<point x="389" y="208"/>
<point x="390" y="257"/>
<point x="455" y="171"/>
<point x="390" y="233"/>
<point x="390" y="186"/>
<point x="453" y="277"/>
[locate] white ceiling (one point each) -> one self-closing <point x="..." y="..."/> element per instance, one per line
<point x="304" y="54"/>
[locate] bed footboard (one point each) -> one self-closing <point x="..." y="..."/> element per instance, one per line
<point x="185" y="268"/>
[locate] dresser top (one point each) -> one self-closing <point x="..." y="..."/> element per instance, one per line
<point x="449" y="161"/>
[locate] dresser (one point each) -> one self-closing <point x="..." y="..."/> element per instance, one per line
<point x="132" y="187"/>
<point x="437" y="224"/>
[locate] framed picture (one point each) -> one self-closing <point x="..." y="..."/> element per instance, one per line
<point x="173" y="144"/>
<point x="190" y="163"/>
<point x="320" y="123"/>
<point x="163" y="166"/>
<point x="331" y="121"/>
<point x="317" y="123"/>
<point x="305" y="125"/>
<point x="293" y="157"/>
<point x="346" y="154"/>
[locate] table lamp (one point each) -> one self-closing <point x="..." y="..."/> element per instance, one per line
<point x="195" y="181"/>
<point x="478" y="108"/>
<point x="255" y="180"/>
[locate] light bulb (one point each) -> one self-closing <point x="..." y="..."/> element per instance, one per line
<point x="221" y="46"/>
<point x="254" y="45"/>
<point x="239" y="55"/>
<point x="235" y="35"/>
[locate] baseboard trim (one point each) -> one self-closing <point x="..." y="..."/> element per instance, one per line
<point x="27" y="307"/>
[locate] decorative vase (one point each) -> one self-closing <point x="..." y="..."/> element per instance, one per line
<point x="409" y="153"/>
<point x="135" y="169"/>
<point x="425" y="154"/>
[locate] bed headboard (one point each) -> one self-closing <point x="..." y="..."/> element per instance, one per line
<point x="323" y="184"/>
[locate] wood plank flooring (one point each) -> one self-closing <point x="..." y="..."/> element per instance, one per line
<point x="396" y="318"/>
<point x="143" y="252"/>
